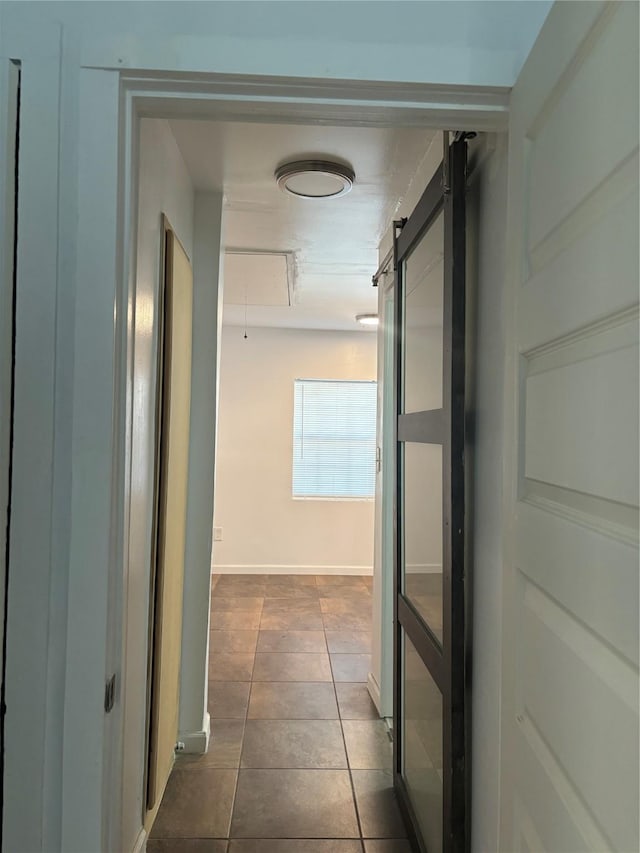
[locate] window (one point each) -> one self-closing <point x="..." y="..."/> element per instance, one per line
<point x="334" y="439"/>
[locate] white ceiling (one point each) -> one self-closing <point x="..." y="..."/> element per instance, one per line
<point x="334" y="242"/>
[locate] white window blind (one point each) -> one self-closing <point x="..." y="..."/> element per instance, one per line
<point x="334" y="439"/>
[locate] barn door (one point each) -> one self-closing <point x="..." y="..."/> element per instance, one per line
<point x="174" y="389"/>
<point x="430" y="747"/>
<point x="570" y="690"/>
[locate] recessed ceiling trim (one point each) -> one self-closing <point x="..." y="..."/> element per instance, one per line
<point x="261" y="276"/>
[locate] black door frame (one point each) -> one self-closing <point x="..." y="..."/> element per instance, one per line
<point x="449" y="663"/>
<point x="12" y="248"/>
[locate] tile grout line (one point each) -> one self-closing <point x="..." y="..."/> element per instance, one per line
<point x="244" y="729"/>
<point x="344" y="742"/>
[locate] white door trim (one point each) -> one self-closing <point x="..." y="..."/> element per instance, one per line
<point x="108" y="109"/>
<point x="255" y="99"/>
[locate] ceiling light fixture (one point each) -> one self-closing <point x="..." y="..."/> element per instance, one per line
<point x="367" y="319"/>
<point x="315" y="178"/>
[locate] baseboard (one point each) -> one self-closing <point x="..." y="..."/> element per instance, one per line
<point x="291" y="570"/>
<point x="374" y="691"/>
<point x="141" y="842"/>
<point x="197" y="743"/>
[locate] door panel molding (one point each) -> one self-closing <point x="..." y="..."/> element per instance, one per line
<point x="570" y="615"/>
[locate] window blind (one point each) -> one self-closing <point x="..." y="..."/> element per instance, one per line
<point x="334" y="438"/>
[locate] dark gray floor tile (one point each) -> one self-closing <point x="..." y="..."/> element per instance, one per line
<point x="357" y="594"/>
<point x="347" y="587"/>
<point x="291" y="621"/>
<point x="235" y="620"/>
<point x="297" y="845"/>
<point x="389" y="845"/>
<point x="293" y="700"/>
<point x="232" y="586"/>
<point x="377" y="805"/>
<point x="294" y="804"/>
<point x="292" y="641"/>
<point x="291" y="586"/>
<point x="368" y="744"/>
<point x="235" y="603"/>
<point x="230" y="667"/>
<point x="225" y="745"/>
<point x="295" y="744"/>
<point x="359" y="607"/>
<point x="349" y="642"/>
<point x="228" y="699"/>
<point x="347" y="622"/>
<point x="186" y="845"/>
<point x="350" y="668"/>
<point x="327" y="581"/>
<point x="291" y="667"/>
<point x="355" y="703"/>
<point x="310" y="606"/>
<point x="197" y="804"/>
<point x="234" y="642"/>
<point x="294" y="614"/>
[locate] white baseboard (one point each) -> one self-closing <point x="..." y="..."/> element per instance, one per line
<point x="374" y="690"/>
<point x="141" y="842"/>
<point x="291" y="570"/>
<point x="197" y="743"/>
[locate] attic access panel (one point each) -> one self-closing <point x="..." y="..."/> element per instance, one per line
<point x="258" y="278"/>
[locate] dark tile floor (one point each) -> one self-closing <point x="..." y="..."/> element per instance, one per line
<point x="299" y="761"/>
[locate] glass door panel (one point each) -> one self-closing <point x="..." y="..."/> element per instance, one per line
<point x="423" y="322"/>
<point x="422" y="746"/>
<point x="422" y="526"/>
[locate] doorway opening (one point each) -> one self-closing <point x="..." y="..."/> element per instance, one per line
<point x="302" y="567"/>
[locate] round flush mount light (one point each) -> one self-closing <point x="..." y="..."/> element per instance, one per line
<point x="315" y="178"/>
<point x="367" y="319"/>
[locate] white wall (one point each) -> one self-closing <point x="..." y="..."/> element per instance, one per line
<point x="164" y="187"/>
<point x="462" y="43"/>
<point x="207" y="327"/>
<point x="264" y="528"/>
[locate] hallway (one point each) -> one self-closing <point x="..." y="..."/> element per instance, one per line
<point x="298" y="751"/>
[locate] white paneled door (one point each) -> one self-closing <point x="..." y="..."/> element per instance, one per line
<point x="570" y="697"/>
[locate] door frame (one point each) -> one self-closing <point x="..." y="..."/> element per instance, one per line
<point x="111" y="102"/>
<point x="9" y="143"/>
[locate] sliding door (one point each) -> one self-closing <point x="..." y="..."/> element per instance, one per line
<point x="430" y="713"/>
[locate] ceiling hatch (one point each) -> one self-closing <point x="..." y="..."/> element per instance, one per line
<point x="258" y="278"/>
